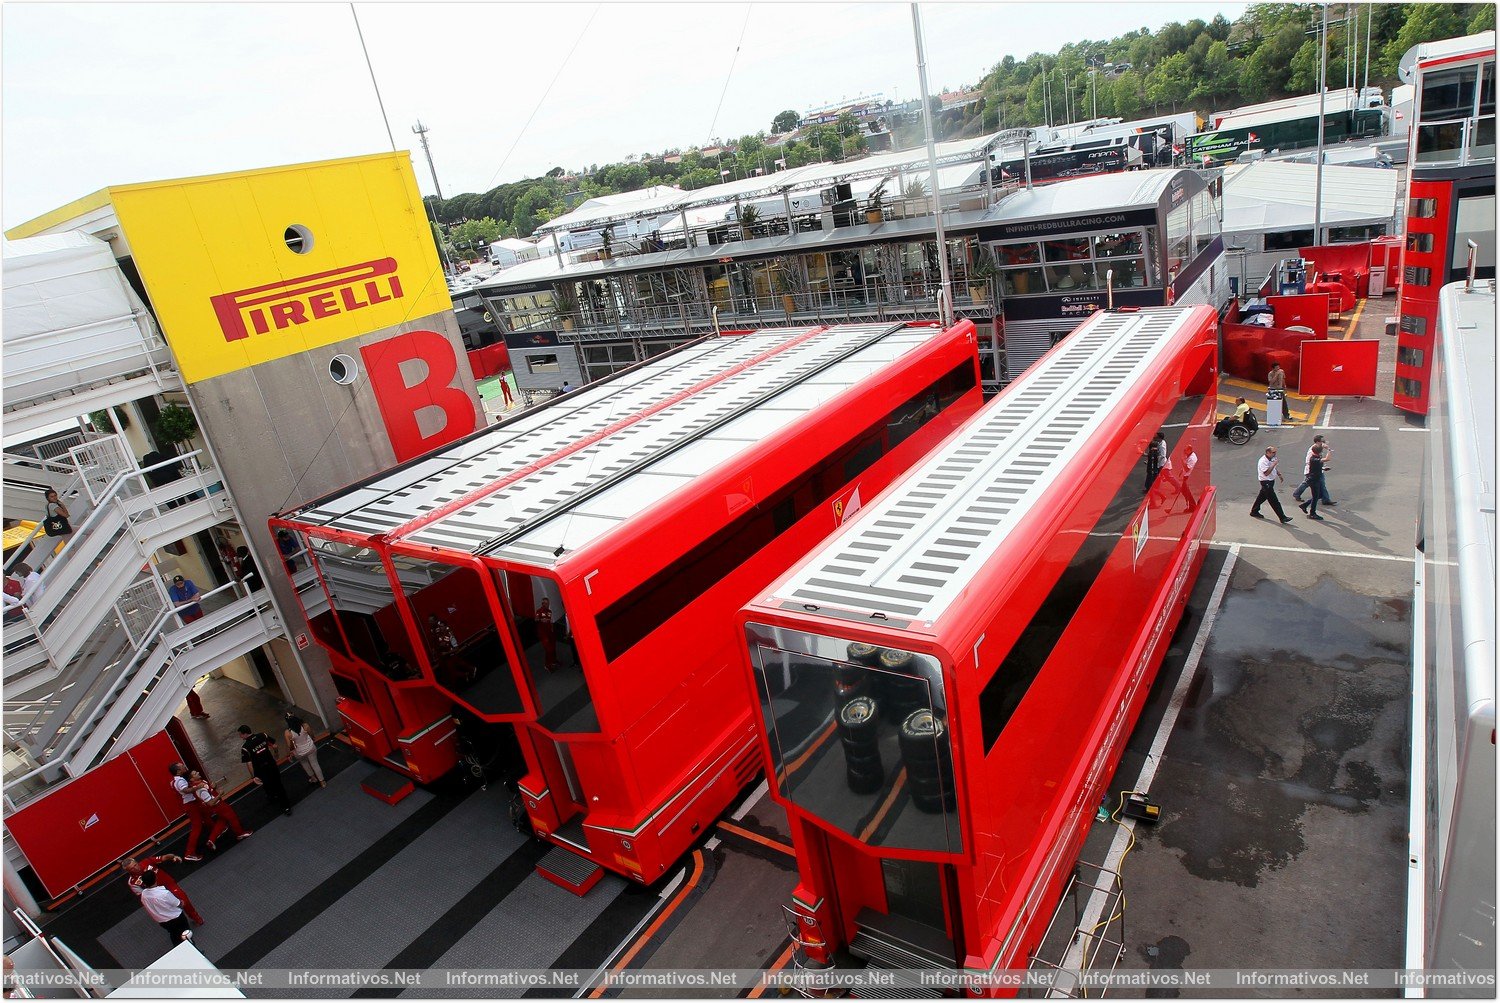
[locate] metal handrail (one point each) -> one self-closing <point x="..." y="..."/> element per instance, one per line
<point x="65" y="591"/>
<point x="157" y="633"/>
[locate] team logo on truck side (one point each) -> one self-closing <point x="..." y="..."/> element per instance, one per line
<point x="280" y="305"/>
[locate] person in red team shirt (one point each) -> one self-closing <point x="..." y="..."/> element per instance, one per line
<point x="135" y="867"/>
<point x="215" y="808"/>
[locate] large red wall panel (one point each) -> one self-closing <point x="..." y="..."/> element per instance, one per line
<point x="93" y="820"/>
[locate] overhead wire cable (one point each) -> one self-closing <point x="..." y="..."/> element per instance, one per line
<point x="378" y="99"/>
<point x="428" y="281"/>
<point x="730" y="75"/>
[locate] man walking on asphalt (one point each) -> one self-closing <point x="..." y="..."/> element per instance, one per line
<point x="1269" y="474"/>
<point x="1323" y="498"/>
<point x="258" y="752"/>
<point x="137" y="868"/>
<point x="164" y="907"/>
<point x="196" y="813"/>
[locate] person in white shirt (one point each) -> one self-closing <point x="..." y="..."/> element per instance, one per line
<point x="1267" y="471"/>
<point x="163" y="907"/>
<point x="197" y="813"/>
<point x="1189" y="462"/>
<point x="1318" y="440"/>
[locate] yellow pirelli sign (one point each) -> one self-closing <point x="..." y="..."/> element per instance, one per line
<point x="248" y="267"/>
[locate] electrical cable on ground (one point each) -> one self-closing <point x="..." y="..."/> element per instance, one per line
<point x="1119" y="913"/>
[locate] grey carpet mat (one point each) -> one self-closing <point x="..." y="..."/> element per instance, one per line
<point x="249" y="884"/>
<point x="371" y="924"/>
<point x="528" y="930"/>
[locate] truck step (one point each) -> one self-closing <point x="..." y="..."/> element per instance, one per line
<point x="567" y="869"/>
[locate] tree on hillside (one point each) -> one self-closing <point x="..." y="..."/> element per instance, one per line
<point x="1424" y="23"/>
<point x="475" y="234"/>
<point x="785" y="121"/>
<point x="846" y="124"/>
<point x="1266" y="71"/>
<point x="1483" y="20"/>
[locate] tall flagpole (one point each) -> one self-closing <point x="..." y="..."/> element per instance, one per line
<point x="945" y="294"/>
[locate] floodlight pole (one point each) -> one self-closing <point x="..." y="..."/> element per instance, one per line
<point x="945" y="298"/>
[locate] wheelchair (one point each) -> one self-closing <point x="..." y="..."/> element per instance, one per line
<point x="1235" y="431"/>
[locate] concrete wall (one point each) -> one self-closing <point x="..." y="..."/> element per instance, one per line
<point x="283" y="432"/>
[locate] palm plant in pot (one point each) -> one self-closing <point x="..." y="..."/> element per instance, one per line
<point x="565" y="302"/>
<point x="783" y="280"/>
<point x="749" y="218"/>
<point x="981" y="276"/>
<point x="875" y="205"/>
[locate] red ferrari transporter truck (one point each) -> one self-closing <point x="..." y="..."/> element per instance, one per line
<point x="575" y="572"/>
<point x="946" y="684"/>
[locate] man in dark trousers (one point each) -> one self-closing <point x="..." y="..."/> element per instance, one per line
<point x="258" y="752"/>
<point x="164" y="907"/>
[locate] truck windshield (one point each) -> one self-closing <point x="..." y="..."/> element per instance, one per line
<point x="859" y="736"/>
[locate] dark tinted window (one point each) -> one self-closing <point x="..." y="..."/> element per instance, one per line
<point x="1449" y="93"/>
<point x="1413" y="323"/>
<point x="666" y="593"/>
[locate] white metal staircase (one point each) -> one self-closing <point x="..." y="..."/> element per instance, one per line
<point x="100" y="657"/>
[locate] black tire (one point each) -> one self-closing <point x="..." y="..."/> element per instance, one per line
<point x="896" y="660"/>
<point x="862" y="654"/>
<point x="934" y="805"/>
<point x="859" y="718"/>
<point x="863" y="760"/>
<point x="1239" y="434"/>
<point x="865" y="781"/>
<point x="843" y="692"/>
<point x="851" y="675"/>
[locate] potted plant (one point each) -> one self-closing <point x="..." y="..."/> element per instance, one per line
<point x="608" y="236"/>
<point x="784" y="287"/>
<point x="566" y="305"/>
<point x="875" y="206"/>
<point x="980" y="277"/>
<point x="175" y="424"/>
<point x="749" y="217"/>
<point x="915" y="197"/>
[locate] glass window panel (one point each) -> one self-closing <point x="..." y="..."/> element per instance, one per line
<point x="859" y="737"/>
<point x="1482" y="141"/>
<point x="1076" y="249"/>
<point x="542" y="364"/>
<point x="544" y="637"/>
<point x="1410" y="357"/>
<point x="1413" y="324"/>
<point x="1129" y="273"/>
<point x="1449" y="93"/>
<point x="1119" y="245"/>
<point x="1022" y="281"/>
<point x="1018" y="254"/>
<point x="459" y="634"/>
<point x="360" y="595"/>
<point x="1475" y="220"/>
<point x="1424" y="208"/>
<point x="1071" y="275"/>
<point x="1420" y="242"/>
<point x="1487" y="89"/>
<point x="1440" y="143"/>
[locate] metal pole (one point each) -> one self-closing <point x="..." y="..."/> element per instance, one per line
<point x="1322" y="103"/>
<point x="1369" y="28"/>
<point x="945" y="298"/>
<point x="421" y="131"/>
<point x="1026" y="155"/>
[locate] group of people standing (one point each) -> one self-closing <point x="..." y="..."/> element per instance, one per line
<point x="1314" y="481"/>
<point x="161" y="896"/>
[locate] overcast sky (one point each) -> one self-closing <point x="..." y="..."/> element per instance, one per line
<point x="113" y="93"/>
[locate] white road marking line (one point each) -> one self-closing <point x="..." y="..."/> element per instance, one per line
<point x="1408" y="428"/>
<point x="1329" y="428"/>
<point x="661" y="901"/>
<point x="1308" y="550"/>
<point x="1328" y="415"/>
<point x="1072" y="961"/>
<point x="751" y="801"/>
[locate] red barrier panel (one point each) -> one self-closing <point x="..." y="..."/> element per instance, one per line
<point x="1352" y="261"/>
<point x="1308" y="310"/>
<point x="496" y="358"/>
<point x="93" y="820"/>
<point x="1340" y="368"/>
<point x="476" y="364"/>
